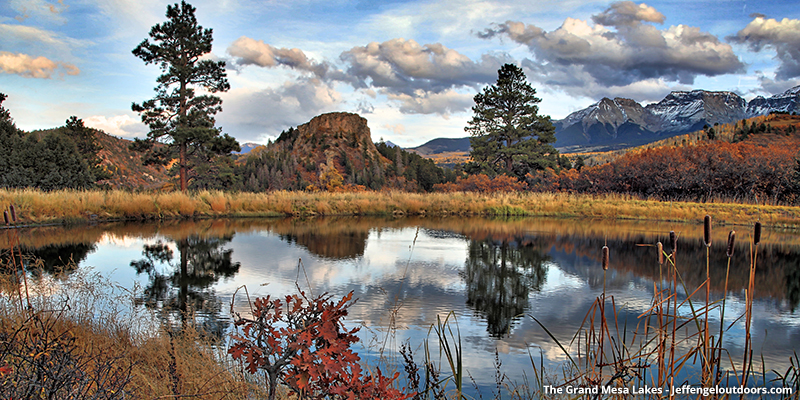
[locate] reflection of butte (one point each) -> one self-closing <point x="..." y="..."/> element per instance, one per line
<point x="338" y="246"/>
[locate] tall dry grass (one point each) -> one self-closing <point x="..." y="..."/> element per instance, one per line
<point x="36" y="207"/>
<point x="83" y="338"/>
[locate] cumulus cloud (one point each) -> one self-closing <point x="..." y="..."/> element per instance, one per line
<point x="422" y="79"/>
<point x="620" y="48"/>
<point x="771" y="86"/>
<point x="781" y="36"/>
<point x="118" y="125"/>
<point x="257" y="114"/>
<point x="30" y="67"/>
<point x="628" y="13"/>
<point x="441" y="103"/>
<point x="405" y="66"/>
<point x="576" y="82"/>
<point x="247" y="51"/>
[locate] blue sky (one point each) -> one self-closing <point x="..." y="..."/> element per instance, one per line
<point x="410" y="67"/>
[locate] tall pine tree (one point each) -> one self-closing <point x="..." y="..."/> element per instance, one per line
<point x="508" y="134"/>
<point x="178" y="117"/>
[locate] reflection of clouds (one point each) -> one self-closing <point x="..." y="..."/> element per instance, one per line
<point x="422" y="280"/>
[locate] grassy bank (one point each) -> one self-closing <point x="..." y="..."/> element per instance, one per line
<point x="81" y="338"/>
<point x="37" y="207"/>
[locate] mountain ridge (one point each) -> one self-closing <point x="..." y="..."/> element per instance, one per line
<point x="612" y="124"/>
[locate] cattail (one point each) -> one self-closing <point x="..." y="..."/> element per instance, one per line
<point x="605" y="258"/>
<point x="707" y="230"/>
<point x="5" y="216"/>
<point x="660" y="253"/>
<point x="673" y="241"/>
<point x="731" y="239"/>
<point x="757" y="233"/>
<point x="13" y="213"/>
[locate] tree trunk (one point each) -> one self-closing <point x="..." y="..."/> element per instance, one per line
<point x="182" y="162"/>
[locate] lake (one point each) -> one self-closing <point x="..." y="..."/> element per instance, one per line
<point x="491" y="274"/>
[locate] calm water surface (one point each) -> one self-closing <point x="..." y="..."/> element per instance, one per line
<point x="492" y="274"/>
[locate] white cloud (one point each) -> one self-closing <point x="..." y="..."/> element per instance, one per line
<point x="421" y="79"/>
<point x="117" y="125"/>
<point x="404" y="66"/>
<point x="249" y="51"/>
<point x="620" y="49"/>
<point x="781" y="36"/>
<point x="441" y="103"/>
<point x="29" y="34"/>
<point x="33" y="67"/>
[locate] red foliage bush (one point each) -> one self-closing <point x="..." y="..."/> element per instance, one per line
<point x="304" y="344"/>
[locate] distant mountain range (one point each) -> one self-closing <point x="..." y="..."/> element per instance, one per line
<point x="442" y="145"/>
<point x="620" y="123"/>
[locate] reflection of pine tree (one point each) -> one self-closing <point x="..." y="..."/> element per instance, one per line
<point x="54" y="259"/>
<point x="793" y="284"/>
<point x="499" y="277"/>
<point x="202" y="262"/>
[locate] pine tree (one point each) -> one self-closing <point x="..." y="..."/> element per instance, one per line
<point x="177" y="117"/>
<point x="508" y="134"/>
<point x="86" y="141"/>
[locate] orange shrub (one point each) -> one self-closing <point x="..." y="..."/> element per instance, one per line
<point x="482" y="183"/>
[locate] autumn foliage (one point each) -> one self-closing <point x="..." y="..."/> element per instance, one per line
<point x="302" y="342"/>
<point x="706" y="171"/>
<point x="482" y="183"/>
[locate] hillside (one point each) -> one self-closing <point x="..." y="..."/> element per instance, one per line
<point x="753" y="160"/>
<point x="442" y="145"/>
<point x="780" y="129"/>
<point x="125" y="166"/>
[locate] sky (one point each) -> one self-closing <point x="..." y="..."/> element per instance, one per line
<point x="411" y="68"/>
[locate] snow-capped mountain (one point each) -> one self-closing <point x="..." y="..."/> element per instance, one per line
<point x="788" y="101"/>
<point x="623" y="122"/>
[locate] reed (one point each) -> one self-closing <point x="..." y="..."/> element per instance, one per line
<point x="666" y="341"/>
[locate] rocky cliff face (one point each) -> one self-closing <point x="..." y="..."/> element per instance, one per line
<point x="624" y="122"/>
<point x="336" y="136"/>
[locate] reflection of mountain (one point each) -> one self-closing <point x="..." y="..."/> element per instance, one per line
<point x="499" y="278"/>
<point x="337" y="246"/>
<point x="202" y="262"/>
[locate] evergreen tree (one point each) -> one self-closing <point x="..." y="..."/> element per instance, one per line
<point x="508" y="134"/>
<point x="178" y="117"/>
<point x="49" y="164"/>
<point x="86" y="142"/>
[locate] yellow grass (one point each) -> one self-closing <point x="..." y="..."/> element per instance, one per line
<point x="96" y="327"/>
<point x="35" y="207"/>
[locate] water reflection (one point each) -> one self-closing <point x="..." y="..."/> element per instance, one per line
<point x="180" y="286"/>
<point x="499" y="277"/>
<point x="55" y="259"/>
<point x="488" y="271"/>
<point x="335" y="246"/>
